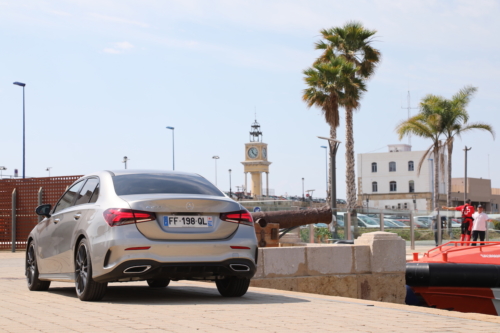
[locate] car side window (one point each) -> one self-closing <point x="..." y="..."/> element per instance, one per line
<point x="95" y="195"/>
<point x="68" y="198"/>
<point x="87" y="191"/>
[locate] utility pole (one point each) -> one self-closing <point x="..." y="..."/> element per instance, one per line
<point x="465" y="179"/>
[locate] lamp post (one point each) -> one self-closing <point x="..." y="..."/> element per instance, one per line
<point x="414" y="197"/>
<point x="215" y="158"/>
<point x="326" y="167"/>
<point x="367" y="198"/>
<point x="24" y="130"/>
<point x="48" y="169"/>
<point x="432" y="180"/>
<point x="2" y="168"/>
<point x="303" y="198"/>
<point x="230" y="183"/>
<point x="125" y="159"/>
<point x="173" y="155"/>
<point x="465" y="179"/>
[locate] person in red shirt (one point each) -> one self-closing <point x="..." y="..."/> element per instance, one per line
<point x="467" y="211"/>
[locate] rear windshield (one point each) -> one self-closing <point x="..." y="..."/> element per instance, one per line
<point x="163" y="183"/>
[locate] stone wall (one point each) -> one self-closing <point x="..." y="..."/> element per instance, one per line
<point x="373" y="268"/>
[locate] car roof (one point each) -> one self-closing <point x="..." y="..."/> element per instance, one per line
<point x="142" y="171"/>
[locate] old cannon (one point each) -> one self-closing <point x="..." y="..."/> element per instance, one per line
<point x="270" y="222"/>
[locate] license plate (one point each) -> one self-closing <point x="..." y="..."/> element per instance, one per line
<point x="179" y="221"/>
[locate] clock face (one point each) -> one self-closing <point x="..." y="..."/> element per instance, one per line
<point x="253" y="152"/>
<point x="264" y="152"/>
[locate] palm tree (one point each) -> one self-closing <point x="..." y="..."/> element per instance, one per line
<point x="352" y="42"/>
<point x="327" y="84"/>
<point x="428" y="126"/>
<point x="455" y="123"/>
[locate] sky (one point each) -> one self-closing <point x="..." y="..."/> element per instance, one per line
<point x="104" y="79"/>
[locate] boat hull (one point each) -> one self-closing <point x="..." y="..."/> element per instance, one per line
<point x="462" y="299"/>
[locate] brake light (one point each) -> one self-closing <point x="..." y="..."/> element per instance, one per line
<point x="241" y="217"/>
<point x="121" y="216"/>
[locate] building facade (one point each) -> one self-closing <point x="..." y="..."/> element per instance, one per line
<point x="391" y="180"/>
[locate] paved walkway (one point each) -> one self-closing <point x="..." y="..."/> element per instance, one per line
<point x="197" y="307"/>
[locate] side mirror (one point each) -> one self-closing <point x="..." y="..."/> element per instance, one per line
<point x="43" y="210"/>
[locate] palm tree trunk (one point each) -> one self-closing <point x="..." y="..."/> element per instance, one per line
<point x="350" y="163"/>
<point x="333" y="135"/>
<point x="450" y="151"/>
<point x="436" y="175"/>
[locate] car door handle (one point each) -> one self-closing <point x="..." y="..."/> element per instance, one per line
<point x="56" y="221"/>
<point x="77" y="216"/>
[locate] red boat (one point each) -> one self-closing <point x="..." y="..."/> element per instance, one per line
<point x="456" y="276"/>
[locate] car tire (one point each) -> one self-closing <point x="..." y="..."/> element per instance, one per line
<point x="232" y="287"/>
<point x="34" y="283"/>
<point x="86" y="288"/>
<point x="159" y="283"/>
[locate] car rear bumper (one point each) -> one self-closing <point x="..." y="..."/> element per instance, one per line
<point x="137" y="270"/>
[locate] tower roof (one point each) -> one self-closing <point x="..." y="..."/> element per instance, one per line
<point x="255" y="132"/>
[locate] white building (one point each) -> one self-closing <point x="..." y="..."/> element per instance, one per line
<point x="391" y="180"/>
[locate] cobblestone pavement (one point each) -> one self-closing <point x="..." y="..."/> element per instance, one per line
<point x="197" y="307"/>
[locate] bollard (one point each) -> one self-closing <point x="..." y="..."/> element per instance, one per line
<point x="381" y="221"/>
<point x="415" y="256"/>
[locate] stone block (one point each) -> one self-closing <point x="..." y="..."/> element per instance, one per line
<point x="260" y="264"/>
<point x="388" y="251"/>
<point x="382" y="287"/>
<point x="332" y="285"/>
<point x="362" y="262"/>
<point x="284" y="262"/>
<point x="329" y="260"/>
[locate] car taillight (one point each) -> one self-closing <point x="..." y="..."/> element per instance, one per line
<point x="242" y="217"/>
<point x="121" y="216"/>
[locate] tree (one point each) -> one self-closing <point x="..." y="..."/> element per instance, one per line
<point x="426" y="125"/>
<point x="455" y="123"/>
<point x="351" y="42"/>
<point x="327" y="84"/>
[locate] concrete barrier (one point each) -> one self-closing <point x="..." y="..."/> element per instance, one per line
<point x="373" y="268"/>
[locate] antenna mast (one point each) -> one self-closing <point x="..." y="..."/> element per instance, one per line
<point x="409" y="108"/>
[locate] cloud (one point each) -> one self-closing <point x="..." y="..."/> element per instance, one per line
<point x="119" y="47"/>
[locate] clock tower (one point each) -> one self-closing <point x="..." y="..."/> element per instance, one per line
<point x="256" y="161"/>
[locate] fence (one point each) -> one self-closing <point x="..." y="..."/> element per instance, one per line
<point x="18" y="200"/>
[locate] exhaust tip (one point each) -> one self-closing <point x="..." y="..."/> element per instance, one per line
<point x="239" y="267"/>
<point x="137" y="269"/>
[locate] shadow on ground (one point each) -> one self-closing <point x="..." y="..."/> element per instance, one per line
<point x="179" y="295"/>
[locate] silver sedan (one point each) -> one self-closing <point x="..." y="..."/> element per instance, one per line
<point x="157" y="226"/>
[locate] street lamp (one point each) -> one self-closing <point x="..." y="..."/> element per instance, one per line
<point x="48" y="169"/>
<point x="2" y="168"/>
<point x="465" y="179"/>
<point x="432" y="182"/>
<point x="326" y="167"/>
<point x="24" y="132"/>
<point x="230" y="183"/>
<point x="125" y="159"/>
<point x="173" y="155"/>
<point x="215" y="158"/>
<point x="414" y="197"/>
<point x="303" y="198"/>
<point x="334" y="145"/>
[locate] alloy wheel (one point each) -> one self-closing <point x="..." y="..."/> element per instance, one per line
<point x="30" y="265"/>
<point x="81" y="269"/>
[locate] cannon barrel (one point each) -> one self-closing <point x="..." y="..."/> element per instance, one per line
<point x="294" y="218"/>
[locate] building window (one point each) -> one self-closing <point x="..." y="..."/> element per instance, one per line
<point x="392" y="166"/>
<point x="406" y="205"/>
<point x="399" y="206"/>
<point x="374" y="167"/>
<point x="410" y="166"/>
<point x="374" y="187"/>
<point x="392" y="186"/>
<point x="411" y="186"/>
